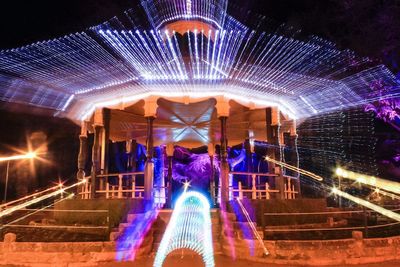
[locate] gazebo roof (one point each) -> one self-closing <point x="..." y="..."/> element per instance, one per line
<point x="122" y="62"/>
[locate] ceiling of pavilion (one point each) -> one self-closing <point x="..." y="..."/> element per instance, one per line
<point x="189" y="125"/>
<point x="129" y="58"/>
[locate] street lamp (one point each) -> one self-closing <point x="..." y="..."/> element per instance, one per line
<point x="29" y="155"/>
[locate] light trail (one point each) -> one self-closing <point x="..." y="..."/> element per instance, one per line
<point x="30" y="155"/>
<point x="373" y="181"/>
<point x="367" y="204"/>
<point x="95" y="67"/>
<point x="28" y="196"/>
<point x="296" y="169"/>
<point x="190" y="228"/>
<point x="253" y="227"/>
<point x="39" y="199"/>
<point x="36" y="211"/>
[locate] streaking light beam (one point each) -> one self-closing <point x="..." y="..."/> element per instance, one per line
<point x="367" y="204"/>
<point x="390" y="186"/>
<point x="293" y="168"/>
<point x="28" y="196"/>
<point x="29" y="155"/>
<point x="39" y="199"/>
<point x="253" y="227"/>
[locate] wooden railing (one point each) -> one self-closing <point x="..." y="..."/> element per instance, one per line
<point x="124" y="188"/>
<point x="254" y="192"/>
<point x="261" y="191"/>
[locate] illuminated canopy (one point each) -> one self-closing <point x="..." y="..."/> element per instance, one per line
<point x="123" y="61"/>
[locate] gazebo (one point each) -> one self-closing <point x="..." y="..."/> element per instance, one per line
<point x="185" y="73"/>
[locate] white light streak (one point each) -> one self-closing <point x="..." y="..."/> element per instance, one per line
<point x="296" y="169"/>
<point x="369" y="205"/>
<point x="190" y="228"/>
<point x="28" y="196"/>
<point x="30" y="155"/>
<point x="72" y="73"/>
<point x="253" y="227"/>
<point x="373" y="181"/>
<point x="38" y="199"/>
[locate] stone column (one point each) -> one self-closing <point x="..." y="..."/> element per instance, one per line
<point x="150" y="112"/>
<point x="211" y="152"/>
<point x="149" y="165"/>
<point x="272" y="120"/>
<point x="224" y="177"/>
<point x="95" y="158"/>
<point x="223" y="110"/>
<point x="131" y="148"/>
<point x="82" y="157"/>
<point x="249" y="159"/>
<point x="105" y="137"/>
<point x="170" y="154"/>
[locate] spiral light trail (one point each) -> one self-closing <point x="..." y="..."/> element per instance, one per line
<point x="189" y="228"/>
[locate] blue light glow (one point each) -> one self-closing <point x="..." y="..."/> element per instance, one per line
<point x="189" y="228"/>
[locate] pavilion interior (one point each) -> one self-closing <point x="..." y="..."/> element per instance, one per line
<point x="190" y="125"/>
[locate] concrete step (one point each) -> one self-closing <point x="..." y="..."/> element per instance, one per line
<point x="241" y="233"/>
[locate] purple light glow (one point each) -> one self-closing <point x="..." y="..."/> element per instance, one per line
<point x="133" y="235"/>
<point x="386" y="109"/>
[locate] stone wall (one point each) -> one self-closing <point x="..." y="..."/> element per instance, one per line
<point x="61" y="254"/>
<point x="317" y="253"/>
<point x="117" y="210"/>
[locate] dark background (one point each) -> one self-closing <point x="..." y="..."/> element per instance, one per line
<point x="369" y="27"/>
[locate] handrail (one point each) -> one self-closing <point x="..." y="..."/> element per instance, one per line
<point x="254" y="173"/>
<point x="54" y="226"/>
<point x="118" y="174"/>
<point x="53" y="210"/>
<point x="365" y="227"/>
<point x="313" y="229"/>
<point x="322" y="212"/>
<point x="290" y="177"/>
<point x="329" y="229"/>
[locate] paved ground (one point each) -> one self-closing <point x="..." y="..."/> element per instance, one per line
<point x="220" y="261"/>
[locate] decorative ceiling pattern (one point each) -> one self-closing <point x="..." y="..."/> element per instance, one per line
<point x="190" y="125"/>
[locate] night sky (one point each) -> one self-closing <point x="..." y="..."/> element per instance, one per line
<point x="369" y="27"/>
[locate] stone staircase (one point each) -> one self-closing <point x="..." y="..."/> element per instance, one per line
<point x="238" y="239"/>
<point x="162" y="221"/>
<point x="157" y="230"/>
<point x="228" y="234"/>
<point x="129" y="234"/>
